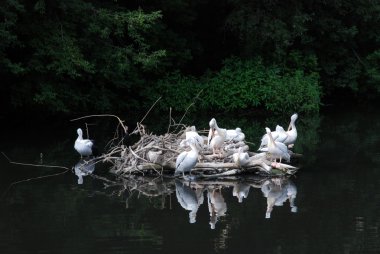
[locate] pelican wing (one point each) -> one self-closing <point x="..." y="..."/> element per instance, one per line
<point x="284" y="150"/>
<point x="231" y="135"/>
<point x="264" y="139"/>
<point x="179" y="162"/>
<point x="88" y="143"/>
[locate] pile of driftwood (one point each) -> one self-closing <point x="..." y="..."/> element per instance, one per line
<point x="156" y="155"/>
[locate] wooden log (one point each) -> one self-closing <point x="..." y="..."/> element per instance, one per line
<point x="226" y="173"/>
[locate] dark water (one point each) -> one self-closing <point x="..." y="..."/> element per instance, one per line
<point x="334" y="208"/>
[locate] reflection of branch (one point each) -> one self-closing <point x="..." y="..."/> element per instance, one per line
<point x="33" y="178"/>
<point x="154" y="187"/>
<point x="145" y="186"/>
<point x="33" y="165"/>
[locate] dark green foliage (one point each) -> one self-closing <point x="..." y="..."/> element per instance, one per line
<point x="83" y="56"/>
<point x="9" y="11"/>
<point x="243" y="84"/>
<point x="340" y="34"/>
<point x="373" y="70"/>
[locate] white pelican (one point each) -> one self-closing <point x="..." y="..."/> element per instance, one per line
<point x="279" y="135"/>
<point x="277" y="149"/>
<point x="240" y="158"/>
<point x="192" y="133"/>
<point x="83" y="146"/>
<point x="216" y="137"/>
<point x="187" y="160"/>
<point x="292" y="131"/>
<point x="235" y="135"/>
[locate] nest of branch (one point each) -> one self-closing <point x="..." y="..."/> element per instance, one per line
<point x="156" y="155"/>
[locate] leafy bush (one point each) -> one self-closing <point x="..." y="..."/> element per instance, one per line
<point x="243" y="84"/>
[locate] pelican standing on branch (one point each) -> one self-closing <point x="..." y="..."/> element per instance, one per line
<point x="240" y="158"/>
<point x="277" y="149"/>
<point x="278" y="135"/>
<point x="187" y="160"/>
<point x="292" y="131"/>
<point x="216" y="137"/>
<point x="83" y="146"/>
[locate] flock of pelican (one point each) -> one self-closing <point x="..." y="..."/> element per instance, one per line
<point x="274" y="143"/>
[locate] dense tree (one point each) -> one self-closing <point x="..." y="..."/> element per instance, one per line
<point x="75" y="55"/>
<point x="78" y="55"/>
<point x="343" y="35"/>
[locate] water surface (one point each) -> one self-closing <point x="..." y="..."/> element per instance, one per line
<point x="334" y="208"/>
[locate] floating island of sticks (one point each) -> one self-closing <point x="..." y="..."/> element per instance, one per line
<point x="221" y="153"/>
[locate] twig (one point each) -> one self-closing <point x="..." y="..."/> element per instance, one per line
<point x="187" y="109"/>
<point x="125" y="128"/>
<point x="170" y="119"/>
<point x="147" y="113"/>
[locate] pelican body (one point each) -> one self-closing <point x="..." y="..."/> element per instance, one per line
<point x="187" y="160"/>
<point x="278" y="135"/>
<point x="287" y="137"/>
<point x="240" y="158"/>
<point x="292" y="131"/>
<point x="83" y="146"/>
<point x="277" y="149"/>
<point x="216" y="136"/>
<point x="235" y="135"/>
<point x="194" y="134"/>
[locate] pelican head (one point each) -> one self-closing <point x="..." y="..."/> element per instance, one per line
<point x="238" y="130"/>
<point x="294" y="117"/>
<point x="212" y="123"/>
<point x="80" y="132"/>
<point x="192" y="128"/>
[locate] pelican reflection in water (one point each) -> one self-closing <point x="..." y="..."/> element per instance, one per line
<point x="83" y="168"/>
<point x="241" y="191"/>
<point x="216" y="205"/>
<point x="189" y="199"/>
<point x="278" y="191"/>
<point x="190" y="194"/>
